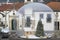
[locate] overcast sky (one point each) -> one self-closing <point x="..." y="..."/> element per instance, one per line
<point x="11" y="0"/>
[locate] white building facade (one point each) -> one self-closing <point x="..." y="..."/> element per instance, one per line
<point x="32" y="13"/>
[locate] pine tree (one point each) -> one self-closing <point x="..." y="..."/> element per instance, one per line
<point x="39" y="30"/>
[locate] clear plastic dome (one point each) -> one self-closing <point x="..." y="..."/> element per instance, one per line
<point x="37" y="7"/>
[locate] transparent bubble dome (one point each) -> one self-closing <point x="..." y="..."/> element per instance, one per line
<point x="37" y="7"/>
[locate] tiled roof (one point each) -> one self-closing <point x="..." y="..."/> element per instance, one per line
<point x="54" y="5"/>
<point x="19" y="5"/>
<point x="4" y="7"/>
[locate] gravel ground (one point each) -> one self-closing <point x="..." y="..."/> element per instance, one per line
<point x="15" y="37"/>
<point x="32" y="39"/>
<point x="4" y="39"/>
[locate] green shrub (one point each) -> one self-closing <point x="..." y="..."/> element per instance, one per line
<point x="39" y="30"/>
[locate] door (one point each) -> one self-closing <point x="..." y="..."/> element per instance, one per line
<point x="14" y="24"/>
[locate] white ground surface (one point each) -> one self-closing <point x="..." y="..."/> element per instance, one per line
<point x="5" y="30"/>
<point x="31" y="37"/>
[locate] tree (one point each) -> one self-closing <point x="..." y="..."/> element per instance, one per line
<point x="39" y="30"/>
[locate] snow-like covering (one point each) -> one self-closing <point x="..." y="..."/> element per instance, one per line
<point x="31" y="37"/>
<point x="49" y="34"/>
<point x="36" y="7"/>
<point x="5" y="30"/>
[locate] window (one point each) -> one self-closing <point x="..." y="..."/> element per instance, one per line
<point x="56" y="24"/>
<point x="35" y="0"/>
<point x="28" y="22"/>
<point x="41" y="16"/>
<point x="28" y="0"/>
<point x="48" y="17"/>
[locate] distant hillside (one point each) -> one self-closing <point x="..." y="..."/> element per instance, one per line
<point x="11" y="1"/>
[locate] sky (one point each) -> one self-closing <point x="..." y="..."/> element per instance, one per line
<point x="11" y="0"/>
<point x="23" y="0"/>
